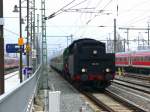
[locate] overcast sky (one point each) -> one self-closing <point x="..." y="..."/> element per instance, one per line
<point x="131" y="13"/>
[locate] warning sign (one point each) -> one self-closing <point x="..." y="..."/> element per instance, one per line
<point x="20" y="41"/>
<point x="28" y="48"/>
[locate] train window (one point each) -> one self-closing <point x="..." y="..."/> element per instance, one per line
<point x="145" y="58"/>
<point x="148" y="58"/>
<point x="133" y="59"/>
<point x="138" y="59"/>
<point x="141" y="58"/>
<point x="117" y="59"/>
<point x="120" y="59"/>
<point x="124" y="59"/>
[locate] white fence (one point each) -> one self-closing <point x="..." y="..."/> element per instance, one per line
<point x="18" y="99"/>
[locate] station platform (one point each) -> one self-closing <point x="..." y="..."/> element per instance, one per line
<point x="11" y="81"/>
<point x="70" y="99"/>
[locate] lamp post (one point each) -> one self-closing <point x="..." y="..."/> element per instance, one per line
<point x="20" y="39"/>
<point x="20" y="24"/>
<point x="115" y="37"/>
<point x="16" y="10"/>
<point x="27" y="44"/>
<point x="148" y="35"/>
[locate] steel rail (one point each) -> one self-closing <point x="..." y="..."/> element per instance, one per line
<point x="138" y="76"/>
<point x="135" y="88"/>
<point x="125" y="101"/>
<point x="98" y="102"/>
<point x="136" y="83"/>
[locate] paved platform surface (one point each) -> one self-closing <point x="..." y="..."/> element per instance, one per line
<point x="11" y="81"/>
<point x="70" y="98"/>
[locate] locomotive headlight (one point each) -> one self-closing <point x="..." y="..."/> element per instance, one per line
<point x="107" y="70"/>
<point x="83" y="70"/>
<point x="94" y="51"/>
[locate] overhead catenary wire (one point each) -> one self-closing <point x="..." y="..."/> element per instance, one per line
<point x="77" y="4"/>
<point x="11" y="32"/>
<point x="89" y="12"/>
<point x="57" y="12"/>
<point x="99" y="12"/>
<point x="137" y="18"/>
<point x="81" y="15"/>
<point x="63" y="9"/>
<point x="133" y="7"/>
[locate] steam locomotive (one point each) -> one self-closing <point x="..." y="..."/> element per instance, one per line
<point x="86" y="62"/>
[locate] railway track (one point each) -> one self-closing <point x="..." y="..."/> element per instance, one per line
<point x="8" y="77"/>
<point x="110" y="102"/>
<point x="10" y="70"/>
<point x="138" y="76"/>
<point x="136" y="82"/>
<point x="133" y="85"/>
<point x="138" y="93"/>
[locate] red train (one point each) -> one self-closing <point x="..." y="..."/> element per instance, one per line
<point x="10" y="62"/>
<point x="134" y="62"/>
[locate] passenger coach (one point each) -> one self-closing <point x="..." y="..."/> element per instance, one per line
<point x="136" y="62"/>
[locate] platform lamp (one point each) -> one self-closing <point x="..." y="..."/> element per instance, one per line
<point x="16" y="10"/>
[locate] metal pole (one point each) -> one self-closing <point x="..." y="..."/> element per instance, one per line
<point x="33" y="24"/>
<point x="71" y="38"/>
<point x="128" y="38"/>
<point x="67" y="41"/>
<point x="114" y="35"/>
<point x="27" y="32"/>
<point x="20" y="70"/>
<point x="31" y="34"/>
<point x="124" y="45"/>
<point x="138" y="39"/>
<point x="1" y="50"/>
<point x="148" y="35"/>
<point x="34" y="38"/>
<point x="31" y="41"/>
<point x="37" y="39"/>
